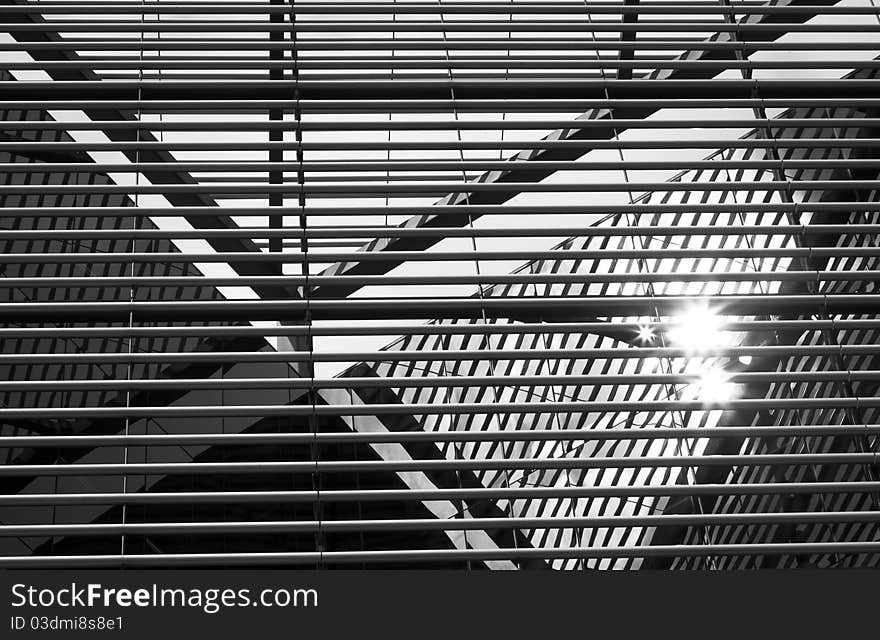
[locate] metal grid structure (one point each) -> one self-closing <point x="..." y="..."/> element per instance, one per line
<point x="558" y="284"/>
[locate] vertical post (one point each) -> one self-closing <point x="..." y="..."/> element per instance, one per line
<point x="276" y="176"/>
<point x="627" y="54"/>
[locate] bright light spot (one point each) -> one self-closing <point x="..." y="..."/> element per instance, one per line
<point x="745" y="360"/>
<point x="646" y="334"/>
<point x="715" y="386"/>
<point x="699" y="329"/>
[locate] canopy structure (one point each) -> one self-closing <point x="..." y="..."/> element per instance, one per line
<point x="483" y="285"/>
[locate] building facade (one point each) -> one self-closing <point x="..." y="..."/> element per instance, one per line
<point x="539" y="285"/>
